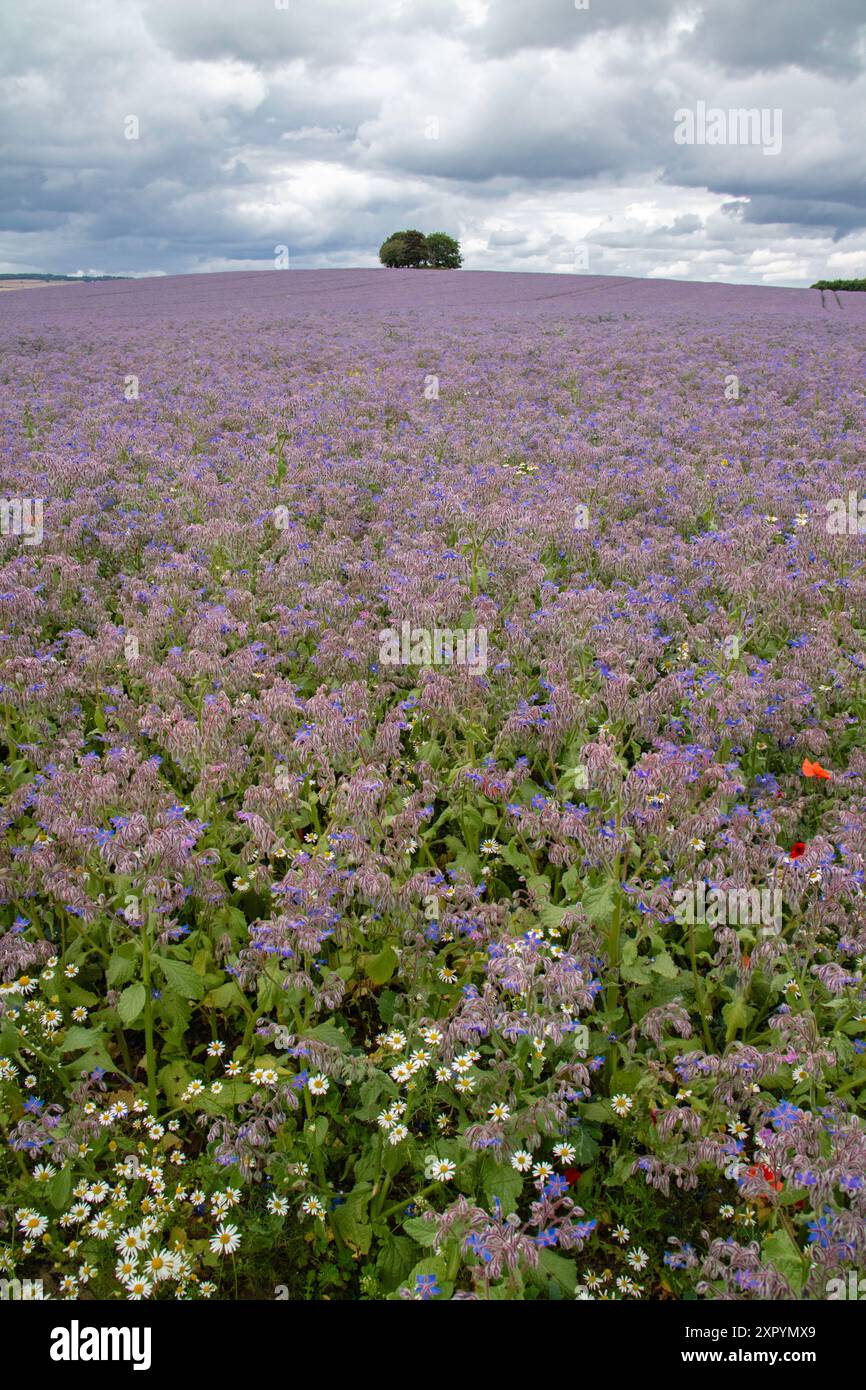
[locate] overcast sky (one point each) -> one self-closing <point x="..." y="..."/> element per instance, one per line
<point x="539" y="133"/>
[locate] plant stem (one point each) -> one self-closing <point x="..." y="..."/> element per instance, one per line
<point x="699" y="989"/>
<point x="150" y="1053"/>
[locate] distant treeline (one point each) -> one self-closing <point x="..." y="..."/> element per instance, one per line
<point x="32" y="275"/>
<point x="839" y="285"/>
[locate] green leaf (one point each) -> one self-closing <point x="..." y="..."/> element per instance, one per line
<point x="563" y="1271"/>
<point x="121" y="967"/>
<point x="780" y="1250"/>
<point x="178" y="1012"/>
<point x="620" y="1173"/>
<point x="370" y="1095"/>
<point x="329" y="1033"/>
<point x="233" y="1092"/>
<point x="387" y="1006"/>
<point x="624" y="1079"/>
<point x="632" y="968"/>
<point x="597" y="1110"/>
<point x="471" y="821"/>
<point x="181" y="977"/>
<point x="737" y="1015"/>
<point x="74" y="1039"/>
<point x="551" y="915"/>
<point x="598" y="902"/>
<point x="174" y="1078"/>
<point x="540" y="886"/>
<point x="635" y="972"/>
<point x="94" y="1058"/>
<point x="267" y="994"/>
<point x="422" y="1232"/>
<point x="131" y="1003"/>
<point x="396" y="1258"/>
<point x="515" y="857"/>
<point x="350" y="1219"/>
<point x="570" y="881"/>
<point x="502" y="1181"/>
<point x="665" y="965"/>
<point x="585" y="1146"/>
<point x="226" y="997"/>
<point x="380" y="968"/>
<point x="60" y="1188"/>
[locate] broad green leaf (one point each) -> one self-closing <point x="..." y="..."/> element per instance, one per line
<point x="635" y="972"/>
<point x="174" y="1079"/>
<point x="396" y="1258"/>
<point x="515" y="857"/>
<point x="223" y="998"/>
<point x="780" y="1250"/>
<point x="621" y="1171"/>
<point x="598" y="902"/>
<point x="624" y="1079"/>
<point x="422" y="1232"/>
<point x="328" y="1032"/>
<point x="380" y="968"/>
<point x="181" y="977"/>
<point x="234" y="1092"/>
<point x="737" y="1014"/>
<point x="350" y="1219"/>
<point x="560" y="1269"/>
<point x="539" y="885"/>
<point x="585" y="1146"/>
<point x="664" y="965"/>
<point x="131" y="1003"/>
<point x="74" y="1039"/>
<point x="597" y="1110"/>
<point x="121" y="967"/>
<point x="502" y="1181"/>
<point x="551" y="915"/>
<point x="570" y="881"/>
<point x="60" y="1188"/>
<point x="370" y="1095"/>
<point x="95" y="1058"/>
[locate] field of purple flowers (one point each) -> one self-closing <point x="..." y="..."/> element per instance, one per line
<point x="331" y="967"/>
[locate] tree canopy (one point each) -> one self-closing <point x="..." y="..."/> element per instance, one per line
<point x="444" y="251"/>
<point x="412" y="250"/>
<point x="838" y="284"/>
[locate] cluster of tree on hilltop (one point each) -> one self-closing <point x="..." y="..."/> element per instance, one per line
<point x="39" y="275"/>
<point x="414" y="250"/>
<point x="839" y="285"/>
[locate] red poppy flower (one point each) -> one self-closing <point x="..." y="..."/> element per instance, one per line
<point x="797" y="850"/>
<point x="766" y="1173"/>
<point x="815" y="770"/>
<point x="572" y="1176"/>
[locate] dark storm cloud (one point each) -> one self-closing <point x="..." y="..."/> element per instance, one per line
<point x="759" y="35"/>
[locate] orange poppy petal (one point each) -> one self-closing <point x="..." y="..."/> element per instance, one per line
<point x="815" y="770"/>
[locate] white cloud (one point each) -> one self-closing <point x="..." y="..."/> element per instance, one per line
<point x="309" y="126"/>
